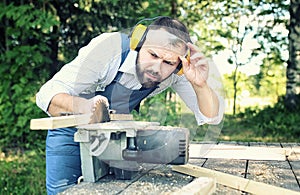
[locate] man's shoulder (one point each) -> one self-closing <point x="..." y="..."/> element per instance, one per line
<point x="108" y="36"/>
<point x="105" y="45"/>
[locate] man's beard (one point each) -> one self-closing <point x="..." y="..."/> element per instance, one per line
<point x="146" y="82"/>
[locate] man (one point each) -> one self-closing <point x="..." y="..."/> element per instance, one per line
<point x="101" y="75"/>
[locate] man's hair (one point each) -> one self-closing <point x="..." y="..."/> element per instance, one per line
<point x="171" y="25"/>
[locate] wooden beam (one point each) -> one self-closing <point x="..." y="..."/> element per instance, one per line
<point x="238" y="152"/>
<point x="295" y="154"/>
<point x="200" y="185"/>
<point x="70" y="121"/>
<point x="232" y="181"/>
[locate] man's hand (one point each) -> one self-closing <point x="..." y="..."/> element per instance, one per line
<point x="196" y="69"/>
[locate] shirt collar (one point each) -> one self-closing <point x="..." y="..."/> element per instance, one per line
<point x="129" y="64"/>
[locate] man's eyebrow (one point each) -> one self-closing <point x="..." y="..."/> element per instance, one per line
<point x="152" y="52"/>
<point x="170" y="62"/>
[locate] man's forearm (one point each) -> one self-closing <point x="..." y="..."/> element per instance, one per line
<point x="207" y="101"/>
<point x="63" y="102"/>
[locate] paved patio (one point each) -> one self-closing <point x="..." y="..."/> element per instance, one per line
<point x="280" y="167"/>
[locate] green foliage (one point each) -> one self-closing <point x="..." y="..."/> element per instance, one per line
<point x="234" y="27"/>
<point x="85" y="19"/>
<point x="22" y="173"/>
<point x="23" y="69"/>
<point x="273" y="123"/>
<point x="161" y="108"/>
<point x="36" y="38"/>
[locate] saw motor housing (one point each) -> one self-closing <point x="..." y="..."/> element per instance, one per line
<point x="122" y="146"/>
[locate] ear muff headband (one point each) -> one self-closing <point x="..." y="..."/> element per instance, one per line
<point x="139" y="32"/>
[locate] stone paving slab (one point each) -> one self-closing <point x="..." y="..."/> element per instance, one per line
<point x="162" y="180"/>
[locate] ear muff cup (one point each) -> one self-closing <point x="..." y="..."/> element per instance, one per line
<point x="138" y="37"/>
<point x="179" y="69"/>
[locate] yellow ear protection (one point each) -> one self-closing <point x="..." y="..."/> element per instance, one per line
<point x="139" y="33"/>
<point x="138" y="37"/>
<point x="179" y="69"/>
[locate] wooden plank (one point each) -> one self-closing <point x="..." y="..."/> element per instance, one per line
<point x="295" y="151"/>
<point x="123" y="125"/>
<point x="201" y="185"/>
<point x="70" y="121"/>
<point x="232" y="181"/>
<point x="59" y="122"/>
<point x="237" y="152"/>
<point x="277" y="173"/>
<point x="120" y="117"/>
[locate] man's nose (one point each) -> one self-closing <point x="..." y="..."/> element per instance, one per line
<point x="157" y="65"/>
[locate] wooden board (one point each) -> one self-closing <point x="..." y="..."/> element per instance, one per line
<point x="232" y="181"/>
<point x="238" y="152"/>
<point x="70" y="121"/>
<point x="295" y="151"/>
<point x="201" y="185"/>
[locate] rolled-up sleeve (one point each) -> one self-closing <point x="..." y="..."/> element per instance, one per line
<point x="89" y="67"/>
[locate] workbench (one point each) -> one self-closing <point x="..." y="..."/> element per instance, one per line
<point x="161" y="179"/>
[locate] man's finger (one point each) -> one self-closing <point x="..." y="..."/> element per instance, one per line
<point x="193" y="48"/>
<point x="202" y="62"/>
<point x="185" y="63"/>
<point x="197" y="57"/>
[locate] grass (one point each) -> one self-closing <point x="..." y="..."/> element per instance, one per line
<point x="272" y="123"/>
<point x="22" y="172"/>
<point x="231" y="129"/>
<point x="238" y="129"/>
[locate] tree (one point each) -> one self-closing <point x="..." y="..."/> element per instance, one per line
<point x="230" y="26"/>
<point x="293" y="68"/>
<point x="38" y="37"/>
<point x="24" y="59"/>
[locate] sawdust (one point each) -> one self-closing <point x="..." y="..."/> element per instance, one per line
<point x="160" y="180"/>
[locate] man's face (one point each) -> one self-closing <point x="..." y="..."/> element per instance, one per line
<point x="158" y="57"/>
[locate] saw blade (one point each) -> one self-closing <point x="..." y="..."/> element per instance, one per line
<point x="100" y="113"/>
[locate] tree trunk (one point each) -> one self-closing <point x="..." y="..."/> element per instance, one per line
<point x="174" y="8"/>
<point x="293" y="68"/>
<point x="235" y="81"/>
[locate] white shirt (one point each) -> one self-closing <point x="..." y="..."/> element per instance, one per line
<point x="96" y="66"/>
